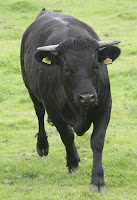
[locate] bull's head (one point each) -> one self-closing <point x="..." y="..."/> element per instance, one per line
<point x="80" y="60"/>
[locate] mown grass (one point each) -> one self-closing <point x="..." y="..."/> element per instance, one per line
<point x="31" y="177"/>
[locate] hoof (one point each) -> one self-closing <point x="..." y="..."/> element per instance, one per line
<point x="42" y="152"/>
<point x="102" y="189"/>
<point x="98" y="189"/>
<point x="94" y="188"/>
<point x="74" y="168"/>
<point x="42" y="144"/>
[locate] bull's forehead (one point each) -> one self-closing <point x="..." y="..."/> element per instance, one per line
<point x="80" y="57"/>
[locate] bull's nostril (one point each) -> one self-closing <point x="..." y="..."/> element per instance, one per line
<point x="92" y="97"/>
<point x="82" y="98"/>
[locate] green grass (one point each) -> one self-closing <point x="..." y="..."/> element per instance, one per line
<point x="35" y="178"/>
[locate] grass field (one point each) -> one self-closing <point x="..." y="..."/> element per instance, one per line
<point x="23" y="174"/>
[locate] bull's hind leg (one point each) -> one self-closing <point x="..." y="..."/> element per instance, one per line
<point x="42" y="142"/>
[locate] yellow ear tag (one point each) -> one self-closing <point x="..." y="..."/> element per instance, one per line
<point x="46" y="60"/>
<point x="108" y="61"/>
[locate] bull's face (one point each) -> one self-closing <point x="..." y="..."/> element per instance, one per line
<point x="80" y="60"/>
<point x="79" y="69"/>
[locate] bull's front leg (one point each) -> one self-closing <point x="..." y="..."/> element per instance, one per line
<point x="97" y="144"/>
<point x="72" y="156"/>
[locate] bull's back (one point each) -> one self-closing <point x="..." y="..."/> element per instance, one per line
<point x="57" y="26"/>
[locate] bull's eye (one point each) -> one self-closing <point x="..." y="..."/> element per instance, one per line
<point x="95" y="71"/>
<point x="66" y="71"/>
<point x="95" y="68"/>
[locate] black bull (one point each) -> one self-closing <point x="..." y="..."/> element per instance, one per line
<point x="64" y="67"/>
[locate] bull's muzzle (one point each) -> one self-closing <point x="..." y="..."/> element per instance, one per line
<point x="87" y="99"/>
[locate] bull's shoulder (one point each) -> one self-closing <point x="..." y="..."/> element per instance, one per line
<point x="67" y="24"/>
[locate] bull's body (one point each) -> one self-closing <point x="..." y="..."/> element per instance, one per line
<point x="69" y="89"/>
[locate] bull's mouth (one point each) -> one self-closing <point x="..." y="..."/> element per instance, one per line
<point x="81" y="125"/>
<point x="82" y="119"/>
<point x="76" y="116"/>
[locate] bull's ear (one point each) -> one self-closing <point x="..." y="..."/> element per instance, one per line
<point x="46" y="59"/>
<point x="108" y="54"/>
